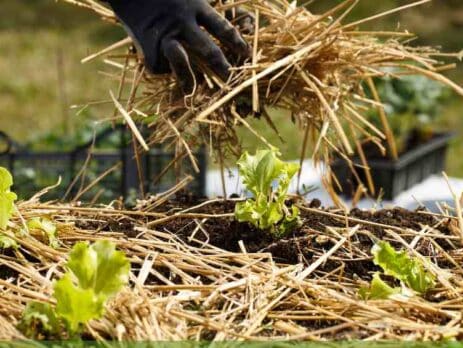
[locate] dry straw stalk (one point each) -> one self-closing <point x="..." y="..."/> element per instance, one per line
<point x="315" y="66"/>
<point x="194" y="291"/>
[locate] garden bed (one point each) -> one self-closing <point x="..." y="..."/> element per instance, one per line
<point x="197" y="274"/>
<point x="302" y="245"/>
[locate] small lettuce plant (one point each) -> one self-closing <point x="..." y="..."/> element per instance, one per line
<point x="410" y="271"/>
<point x="94" y="274"/>
<point x="267" y="178"/>
<point x="7" y="198"/>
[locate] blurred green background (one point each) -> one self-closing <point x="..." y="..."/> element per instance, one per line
<point x="41" y="77"/>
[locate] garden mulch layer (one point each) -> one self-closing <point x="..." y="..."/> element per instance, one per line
<point x="197" y="274"/>
<point x="312" y="239"/>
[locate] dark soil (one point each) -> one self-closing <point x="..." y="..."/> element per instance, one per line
<point x="308" y="242"/>
<point x="109" y="225"/>
<point x="5" y="271"/>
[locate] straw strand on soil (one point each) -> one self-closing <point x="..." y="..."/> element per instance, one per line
<point x="185" y="289"/>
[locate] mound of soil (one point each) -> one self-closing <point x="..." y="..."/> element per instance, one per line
<point x="315" y="237"/>
<point x="320" y="230"/>
<point x="185" y="260"/>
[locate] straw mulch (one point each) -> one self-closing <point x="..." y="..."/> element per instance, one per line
<point x="195" y="291"/>
<point x="313" y="65"/>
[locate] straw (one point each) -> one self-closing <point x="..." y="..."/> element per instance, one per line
<point x="186" y="289"/>
<point x="305" y="63"/>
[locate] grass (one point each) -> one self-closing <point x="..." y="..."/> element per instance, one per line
<point x="32" y="41"/>
<point x="36" y="33"/>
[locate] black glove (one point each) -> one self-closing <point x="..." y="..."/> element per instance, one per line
<point x="168" y="30"/>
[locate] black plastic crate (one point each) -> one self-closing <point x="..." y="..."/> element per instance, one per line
<point x="34" y="170"/>
<point x="393" y="177"/>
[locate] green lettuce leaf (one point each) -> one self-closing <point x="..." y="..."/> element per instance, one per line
<point x="39" y="319"/>
<point x="75" y="304"/>
<point x="99" y="267"/>
<point x="267" y="210"/>
<point x="94" y="274"/>
<point x="378" y="290"/>
<point x="46" y="226"/>
<point x="7" y="198"/>
<point x="7" y="242"/>
<point x="99" y="272"/>
<point x="290" y="222"/>
<point x="258" y="171"/>
<point x="401" y="266"/>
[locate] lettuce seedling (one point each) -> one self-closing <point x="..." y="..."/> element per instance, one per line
<point x="399" y="265"/>
<point x="267" y="209"/>
<point x="94" y="274"/>
<point x="47" y="227"/>
<point x="8" y="243"/>
<point x="7" y="198"/>
<point x="39" y="318"/>
<point x="378" y="289"/>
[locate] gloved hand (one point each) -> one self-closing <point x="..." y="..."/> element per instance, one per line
<point x="169" y="31"/>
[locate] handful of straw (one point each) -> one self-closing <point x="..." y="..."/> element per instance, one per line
<point x="314" y="66"/>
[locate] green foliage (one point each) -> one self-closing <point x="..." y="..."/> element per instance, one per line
<point x="412" y="104"/>
<point x="39" y="318"/>
<point x="47" y="227"/>
<point x="75" y="304"/>
<point x="378" y="289"/>
<point x="401" y="266"/>
<point x="414" y="95"/>
<point x="267" y="209"/>
<point x="94" y="274"/>
<point x="99" y="267"/>
<point x="7" y="198"/>
<point x="7" y="242"/>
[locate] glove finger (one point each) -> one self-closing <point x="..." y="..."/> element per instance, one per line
<point x="155" y="60"/>
<point x="179" y="63"/>
<point x="203" y="46"/>
<point x="218" y="26"/>
<point x="242" y="18"/>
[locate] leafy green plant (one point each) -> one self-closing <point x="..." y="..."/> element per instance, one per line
<point x="410" y="271"/>
<point x="398" y="264"/>
<point x="7" y="242"/>
<point x="47" y="227"/>
<point x="39" y="318"/>
<point x="378" y="289"/>
<point x="267" y="209"/>
<point x="7" y="198"/>
<point x="415" y="95"/>
<point x="412" y="104"/>
<point x="95" y="273"/>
